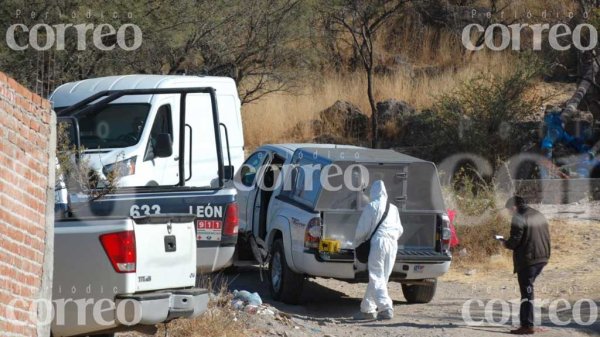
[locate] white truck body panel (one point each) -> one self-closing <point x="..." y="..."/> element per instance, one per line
<point x="153" y="261"/>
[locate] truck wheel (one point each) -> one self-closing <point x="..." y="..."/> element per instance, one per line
<point x="419" y="293"/>
<point x="285" y="284"/>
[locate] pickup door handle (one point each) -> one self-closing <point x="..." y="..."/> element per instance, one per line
<point x="170" y="243"/>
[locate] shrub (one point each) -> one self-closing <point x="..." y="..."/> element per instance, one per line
<point x="478" y="239"/>
<point x="75" y="171"/>
<point x="477" y="116"/>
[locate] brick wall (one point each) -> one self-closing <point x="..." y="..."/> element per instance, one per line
<point x="26" y="190"/>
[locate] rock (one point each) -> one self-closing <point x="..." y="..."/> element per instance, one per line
<point x="463" y="252"/>
<point x="392" y="109"/>
<point x="344" y="119"/>
<point x="471" y="272"/>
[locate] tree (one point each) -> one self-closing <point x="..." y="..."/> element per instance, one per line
<point x="259" y="43"/>
<point x="361" y="20"/>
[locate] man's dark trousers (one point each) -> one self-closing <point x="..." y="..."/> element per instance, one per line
<point x="527" y="277"/>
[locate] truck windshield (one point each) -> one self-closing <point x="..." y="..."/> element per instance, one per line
<point x="116" y="126"/>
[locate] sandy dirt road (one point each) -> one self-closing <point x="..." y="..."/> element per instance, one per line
<point x="328" y="306"/>
<point x="572" y="275"/>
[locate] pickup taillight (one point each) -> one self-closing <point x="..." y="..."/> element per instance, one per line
<point x="313" y="233"/>
<point x="232" y="220"/>
<point x="446" y="233"/>
<point x="120" y="249"/>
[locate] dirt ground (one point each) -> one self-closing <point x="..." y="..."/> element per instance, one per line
<point x="573" y="274"/>
<point x="327" y="306"/>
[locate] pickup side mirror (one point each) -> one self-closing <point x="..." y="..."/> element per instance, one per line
<point x="163" y="146"/>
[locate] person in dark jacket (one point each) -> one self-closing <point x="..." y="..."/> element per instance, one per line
<point x="530" y="242"/>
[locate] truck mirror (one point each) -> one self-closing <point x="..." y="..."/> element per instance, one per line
<point x="164" y="146"/>
<point x="228" y="172"/>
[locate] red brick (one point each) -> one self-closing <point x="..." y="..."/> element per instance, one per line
<point x="24" y="138"/>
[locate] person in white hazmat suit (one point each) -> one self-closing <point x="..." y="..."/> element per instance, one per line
<point x="384" y="245"/>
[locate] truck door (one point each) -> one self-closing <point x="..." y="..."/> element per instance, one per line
<point x="247" y="176"/>
<point x="267" y="181"/>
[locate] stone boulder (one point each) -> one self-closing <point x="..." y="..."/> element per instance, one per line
<point x="343" y="120"/>
<point x="393" y="110"/>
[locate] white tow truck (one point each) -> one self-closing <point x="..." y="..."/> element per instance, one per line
<point x="300" y="205"/>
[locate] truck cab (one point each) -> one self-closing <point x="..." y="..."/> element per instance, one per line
<point x="128" y="132"/>
<point x="296" y="197"/>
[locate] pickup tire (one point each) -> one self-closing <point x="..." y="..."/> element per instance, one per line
<point x="285" y="284"/>
<point x="419" y="293"/>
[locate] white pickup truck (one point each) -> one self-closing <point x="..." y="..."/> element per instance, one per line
<point x="128" y="260"/>
<point x="112" y="273"/>
<point x="293" y="198"/>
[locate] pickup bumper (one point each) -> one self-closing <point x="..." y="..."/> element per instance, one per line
<point x="157" y="307"/>
<point x="408" y="266"/>
<point x="418" y="270"/>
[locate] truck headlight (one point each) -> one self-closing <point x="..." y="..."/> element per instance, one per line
<point x="121" y="168"/>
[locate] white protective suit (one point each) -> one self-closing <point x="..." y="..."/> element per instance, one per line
<point x="384" y="246"/>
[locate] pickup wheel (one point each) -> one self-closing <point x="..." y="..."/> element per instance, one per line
<point x="285" y="284"/>
<point x="419" y="293"/>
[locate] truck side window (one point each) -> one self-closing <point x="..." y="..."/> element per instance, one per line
<point x="162" y="124"/>
<point x="250" y="167"/>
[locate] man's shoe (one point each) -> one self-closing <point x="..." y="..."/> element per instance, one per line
<point x="524" y="330"/>
<point x="385" y="315"/>
<point x="363" y="316"/>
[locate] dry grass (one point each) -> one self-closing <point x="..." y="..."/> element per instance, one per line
<point x="272" y="118"/>
<point x="478" y="240"/>
<point x="426" y="65"/>
<point x="217" y="321"/>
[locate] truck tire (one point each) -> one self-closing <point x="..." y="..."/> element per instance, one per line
<point x="419" y="293"/>
<point x="285" y="284"/>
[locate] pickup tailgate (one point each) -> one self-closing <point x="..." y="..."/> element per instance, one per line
<point x="166" y="251"/>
